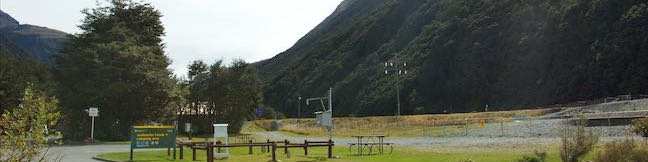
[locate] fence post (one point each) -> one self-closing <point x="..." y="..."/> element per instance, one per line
<point x="250" y="151"/>
<point x="530" y="129"/>
<point x="501" y="128"/>
<point x="274" y="148"/>
<point x="193" y="152"/>
<point x="285" y="148"/>
<point x="465" y="126"/>
<point x="305" y="147"/>
<point x="181" y="151"/>
<point x="445" y="129"/>
<point x="330" y="149"/>
<point x="209" y="153"/>
<point x="609" y="125"/>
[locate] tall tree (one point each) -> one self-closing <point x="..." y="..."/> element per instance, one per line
<point x="117" y="63"/>
<point x="228" y="94"/>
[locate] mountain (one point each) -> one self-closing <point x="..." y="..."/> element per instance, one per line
<point x="462" y="55"/>
<point x="29" y="41"/>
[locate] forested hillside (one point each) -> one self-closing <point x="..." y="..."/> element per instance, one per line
<point x="464" y="54"/>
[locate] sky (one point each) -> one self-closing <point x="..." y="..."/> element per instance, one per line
<point x="252" y="30"/>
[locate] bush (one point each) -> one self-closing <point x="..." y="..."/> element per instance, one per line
<point x="640" y="127"/>
<point x="616" y="151"/>
<point x="623" y="151"/>
<point x="22" y="130"/>
<point x="576" y="141"/>
<point x="640" y="153"/>
<point x="538" y="157"/>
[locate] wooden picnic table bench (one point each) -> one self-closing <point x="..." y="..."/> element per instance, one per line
<point x="370" y="141"/>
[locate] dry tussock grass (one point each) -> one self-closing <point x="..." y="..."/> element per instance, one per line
<point x="396" y="125"/>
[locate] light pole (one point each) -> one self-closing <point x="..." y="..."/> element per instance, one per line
<point x="398" y="68"/>
<point x="299" y="107"/>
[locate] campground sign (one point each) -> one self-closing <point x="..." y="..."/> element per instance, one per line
<point x="152" y="136"/>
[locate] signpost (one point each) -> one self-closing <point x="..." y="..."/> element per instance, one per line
<point x="93" y="112"/>
<point x="151" y="136"/>
<point x="188" y="129"/>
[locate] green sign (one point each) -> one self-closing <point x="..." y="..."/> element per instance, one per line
<point x="152" y="137"/>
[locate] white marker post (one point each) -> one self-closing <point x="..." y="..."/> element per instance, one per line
<point x="93" y="112"/>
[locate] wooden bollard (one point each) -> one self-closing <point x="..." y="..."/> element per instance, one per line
<point x="250" y="151"/>
<point x="305" y="147"/>
<point x="219" y="149"/>
<point x="181" y="151"/>
<point x="209" y="149"/>
<point x="274" y="148"/>
<point x="193" y="152"/>
<point x="330" y="149"/>
<point x="168" y="151"/>
<point x="286" y="148"/>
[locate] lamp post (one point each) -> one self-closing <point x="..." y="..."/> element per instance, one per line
<point x="299" y="107"/>
<point x="398" y="69"/>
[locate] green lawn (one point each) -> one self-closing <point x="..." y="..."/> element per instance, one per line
<point x="319" y="154"/>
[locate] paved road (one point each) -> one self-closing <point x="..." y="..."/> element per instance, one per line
<point x="86" y="152"/>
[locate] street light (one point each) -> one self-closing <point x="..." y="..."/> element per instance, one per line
<point x="399" y="69"/>
<point x="299" y="107"/>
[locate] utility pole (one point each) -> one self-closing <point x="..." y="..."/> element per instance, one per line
<point x="398" y="69"/>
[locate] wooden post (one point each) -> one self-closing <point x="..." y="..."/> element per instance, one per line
<point x="285" y="148"/>
<point x="168" y="151"/>
<point x="274" y="148"/>
<point x="305" y="147"/>
<point x="268" y="147"/>
<point x="250" y="148"/>
<point x="465" y="126"/>
<point x="210" y="157"/>
<point x="193" y="153"/>
<point x="501" y="128"/>
<point x="330" y="149"/>
<point x="181" y="151"/>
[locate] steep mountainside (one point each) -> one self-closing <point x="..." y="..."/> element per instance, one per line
<point x="31" y="41"/>
<point x="464" y="54"/>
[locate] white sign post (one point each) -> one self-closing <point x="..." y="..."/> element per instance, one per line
<point x="93" y="112"/>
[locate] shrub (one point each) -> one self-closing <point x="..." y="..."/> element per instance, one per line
<point x="640" y="127"/>
<point x="623" y="151"/>
<point x="576" y="141"/>
<point x="538" y="157"/>
<point x="616" y="151"/>
<point x="22" y="130"/>
<point x="640" y="153"/>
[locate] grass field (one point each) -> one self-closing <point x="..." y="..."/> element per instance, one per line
<point x="319" y="154"/>
<point x="406" y="125"/>
<point x="398" y="126"/>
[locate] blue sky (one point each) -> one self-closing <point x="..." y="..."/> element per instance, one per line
<point x="252" y="30"/>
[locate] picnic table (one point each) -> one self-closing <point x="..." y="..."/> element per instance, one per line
<point x="370" y="141"/>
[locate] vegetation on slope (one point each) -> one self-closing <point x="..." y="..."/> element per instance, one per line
<point x="463" y="55"/>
